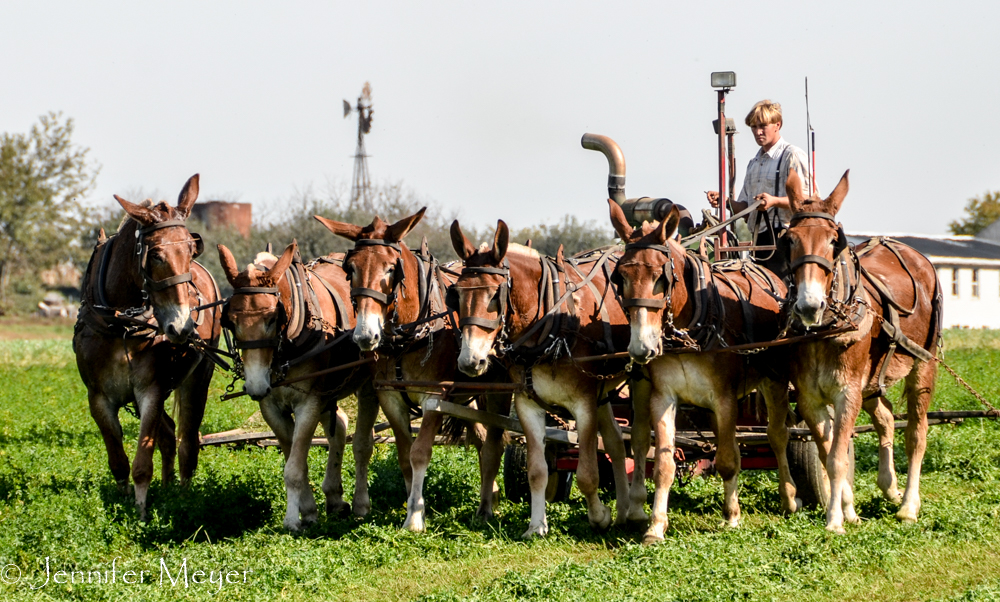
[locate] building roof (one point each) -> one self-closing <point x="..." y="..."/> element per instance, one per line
<point x="957" y="247"/>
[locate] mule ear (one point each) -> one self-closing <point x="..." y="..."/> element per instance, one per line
<point x="793" y="190"/>
<point x="283" y="262"/>
<point x="668" y="226"/>
<point x="619" y="222"/>
<point x="188" y="195"/>
<point x="102" y="237"/>
<point x="561" y="257"/>
<point x="836" y="198"/>
<point x="348" y="231"/>
<point x="228" y="264"/>
<point x="461" y="244"/>
<point x="397" y="231"/>
<point x="501" y="239"/>
<point x="143" y="215"/>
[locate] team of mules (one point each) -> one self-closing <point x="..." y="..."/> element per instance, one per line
<point x="307" y="335"/>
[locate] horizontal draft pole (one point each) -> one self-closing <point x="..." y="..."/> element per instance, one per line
<point x="447" y="385"/>
<point x="289" y="381"/>
<point x="731" y="348"/>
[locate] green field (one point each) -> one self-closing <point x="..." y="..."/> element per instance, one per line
<point x="58" y="505"/>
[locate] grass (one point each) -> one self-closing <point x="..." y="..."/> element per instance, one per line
<point x="58" y="502"/>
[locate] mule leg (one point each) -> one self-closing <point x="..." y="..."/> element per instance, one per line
<point x="151" y="413"/>
<point x="363" y="445"/>
<point x="727" y="461"/>
<point x="280" y="422"/>
<point x="490" y="457"/>
<point x="166" y="441"/>
<point x="398" y="415"/>
<point x="813" y="409"/>
<point x="106" y="417"/>
<point x="532" y="419"/>
<point x="641" y="430"/>
<point x="776" y="398"/>
<point x="420" y="459"/>
<point x="919" y="390"/>
<point x="190" y="399"/>
<point x="663" y="410"/>
<point x="880" y="411"/>
<point x="587" y="474"/>
<point x="301" y="501"/>
<point x="614" y="445"/>
<point x="841" y="507"/>
<point x="335" y="425"/>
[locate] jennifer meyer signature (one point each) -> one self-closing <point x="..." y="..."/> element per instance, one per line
<point x="170" y="574"/>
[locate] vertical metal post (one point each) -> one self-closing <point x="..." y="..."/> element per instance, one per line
<point x="723" y="194"/>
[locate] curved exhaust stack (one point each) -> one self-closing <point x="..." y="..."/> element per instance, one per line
<point x="636" y="210"/>
<point x="616" y="163"/>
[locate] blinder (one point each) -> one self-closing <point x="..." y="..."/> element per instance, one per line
<point x="451" y="298"/>
<point x="199" y="245"/>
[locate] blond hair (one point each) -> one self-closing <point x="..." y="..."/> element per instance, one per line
<point x="764" y="112"/>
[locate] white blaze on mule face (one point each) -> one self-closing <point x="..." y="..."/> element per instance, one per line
<point x="368" y="332"/>
<point x="257" y="373"/>
<point x="644" y="343"/>
<point x="474" y="357"/>
<point x="810" y="302"/>
<point x="175" y="321"/>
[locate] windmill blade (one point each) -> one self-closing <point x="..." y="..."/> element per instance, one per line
<point x="347" y="108"/>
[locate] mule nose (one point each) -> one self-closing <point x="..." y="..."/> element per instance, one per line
<point x="267" y="392"/>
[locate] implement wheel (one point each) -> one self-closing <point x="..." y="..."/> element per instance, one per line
<point x="515" y="477"/>
<point x="809" y="474"/>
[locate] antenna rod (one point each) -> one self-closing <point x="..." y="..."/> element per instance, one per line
<point x="810" y="144"/>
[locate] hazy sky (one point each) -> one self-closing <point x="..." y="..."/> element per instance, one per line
<point x="480" y="106"/>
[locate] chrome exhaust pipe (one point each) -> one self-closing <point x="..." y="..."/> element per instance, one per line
<point x="636" y="210"/>
<point x="616" y="163"/>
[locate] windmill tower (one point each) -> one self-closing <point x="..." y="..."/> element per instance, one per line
<point x="360" y="184"/>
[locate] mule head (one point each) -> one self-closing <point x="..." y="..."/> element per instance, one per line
<point x="645" y="278"/>
<point x="812" y="244"/>
<point x="483" y="297"/>
<point x="256" y="313"/>
<point x="376" y="270"/>
<point x="165" y="251"/>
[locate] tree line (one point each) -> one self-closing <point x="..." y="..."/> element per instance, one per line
<point x="44" y="178"/>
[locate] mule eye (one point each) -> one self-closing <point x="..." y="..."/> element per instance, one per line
<point x="494" y="306"/>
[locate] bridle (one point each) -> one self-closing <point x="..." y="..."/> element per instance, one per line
<point x="667" y="275"/>
<point x="502" y="296"/>
<point x="398" y="273"/>
<point x="142" y="250"/>
<point x="273" y="342"/>
<point x="839" y="245"/>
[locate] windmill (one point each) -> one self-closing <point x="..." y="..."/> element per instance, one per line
<point x="360" y="184"/>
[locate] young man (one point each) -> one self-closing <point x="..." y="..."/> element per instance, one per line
<point x="767" y="173"/>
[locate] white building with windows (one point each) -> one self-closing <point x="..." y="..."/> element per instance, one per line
<point x="969" y="270"/>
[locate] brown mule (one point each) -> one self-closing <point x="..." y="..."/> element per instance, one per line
<point x="286" y="319"/>
<point x="499" y="304"/>
<point x="137" y="337"/>
<point x="658" y="280"/>
<point x="401" y="313"/>
<point x="892" y="295"/>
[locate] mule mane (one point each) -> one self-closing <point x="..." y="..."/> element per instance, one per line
<point x="522" y="250"/>
<point x="161" y="207"/>
<point x="815" y="204"/>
